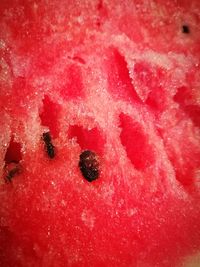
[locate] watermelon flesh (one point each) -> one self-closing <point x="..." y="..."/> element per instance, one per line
<point x="120" y="78"/>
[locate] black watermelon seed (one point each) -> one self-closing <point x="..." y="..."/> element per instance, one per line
<point x="185" y="29"/>
<point x="89" y="165"/>
<point x="50" y="149"/>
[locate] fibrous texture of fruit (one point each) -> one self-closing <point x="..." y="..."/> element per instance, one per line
<point x="119" y="79"/>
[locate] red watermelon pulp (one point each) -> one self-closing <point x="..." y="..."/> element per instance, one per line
<point x="121" y="81"/>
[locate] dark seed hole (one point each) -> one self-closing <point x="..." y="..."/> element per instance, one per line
<point x="89" y="165"/>
<point x="49" y="115"/>
<point x="12" y="158"/>
<point x="11" y="170"/>
<point x="136" y="143"/>
<point x="13" y="153"/>
<point x="185" y="29"/>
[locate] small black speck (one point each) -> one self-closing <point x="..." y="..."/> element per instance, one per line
<point x="50" y="149"/>
<point x="89" y="165"/>
<point x="185" y="29"/>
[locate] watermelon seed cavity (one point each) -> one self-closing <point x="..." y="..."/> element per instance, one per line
<point x="12" y="158"/>
<point x="13" y="153"/>
<point x="185" y="29"/>
<point x="48" y="145"/>
<point x="49" y="115"/>
<point x="12" y="170"/>
<point x="89" y="165"/>
<point x="88" y="139"/>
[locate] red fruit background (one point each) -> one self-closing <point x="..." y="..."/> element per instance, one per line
<point x="120" y="78"/>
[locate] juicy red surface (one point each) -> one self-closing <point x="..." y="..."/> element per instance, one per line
<point x="71" y="89"/>
<point x="119" y="78"/>
<point x="87" y="139"/>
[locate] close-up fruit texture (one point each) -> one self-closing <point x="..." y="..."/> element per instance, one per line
<point x="99" y="133"/>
